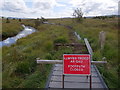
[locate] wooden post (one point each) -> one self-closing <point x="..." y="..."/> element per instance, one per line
<point x="61" y="61"/>
<point x="105" y="66"/>
<point x="102" y="39"/>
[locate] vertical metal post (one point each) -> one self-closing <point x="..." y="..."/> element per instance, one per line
<point x="87" y="77"/>
<point x="62" y="81"/>
<point x="90" y="82"/>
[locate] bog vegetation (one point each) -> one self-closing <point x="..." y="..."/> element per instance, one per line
<point x="19" y="60"/>
<point x="10" y="27"/>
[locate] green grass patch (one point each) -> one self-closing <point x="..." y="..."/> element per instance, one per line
<point x="20" y="69"/>
<point x="19" y="60"/>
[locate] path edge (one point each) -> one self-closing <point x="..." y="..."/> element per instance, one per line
<point x="49" y="77"/>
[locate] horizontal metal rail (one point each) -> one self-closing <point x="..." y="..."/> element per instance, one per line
<point x="61" y="61"/>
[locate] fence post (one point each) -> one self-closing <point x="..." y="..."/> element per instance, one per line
<point x="102" y="36"/>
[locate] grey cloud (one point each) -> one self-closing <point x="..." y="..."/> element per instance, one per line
<point x="45" y="7"/>
<point x="111" y="7"/>
<point x="91" y="7"/>
<point x="94" y="7"/>
<point x="10" y="6"/>
<point x="42" y="5"/>
<point x="88" y="7"/>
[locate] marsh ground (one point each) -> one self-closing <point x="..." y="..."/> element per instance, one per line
<point x="19" y="60"/>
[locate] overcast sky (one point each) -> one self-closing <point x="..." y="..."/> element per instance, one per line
<point x="56" y="8"/>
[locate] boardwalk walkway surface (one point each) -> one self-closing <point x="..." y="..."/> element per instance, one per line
<point x="75" y="81"/>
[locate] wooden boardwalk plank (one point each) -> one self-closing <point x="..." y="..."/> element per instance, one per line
<point x="74" y="81"/>
<point x="74" y="85"/>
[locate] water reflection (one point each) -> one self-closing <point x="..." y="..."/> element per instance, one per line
<point x="27" y="30"/>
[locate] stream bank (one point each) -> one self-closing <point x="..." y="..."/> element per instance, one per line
<point x="11" y="40"/>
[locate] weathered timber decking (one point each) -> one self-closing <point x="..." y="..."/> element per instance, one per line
<point x="75" y="81"/>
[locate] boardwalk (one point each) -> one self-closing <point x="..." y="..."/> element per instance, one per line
<point x="74" y="81"/>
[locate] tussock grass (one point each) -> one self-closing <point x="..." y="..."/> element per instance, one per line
<point x="14" y="27"/>
<point x="40" y="44"/>
<point x="10" y="29"/>
<point x="19" y="60"/>
<point x="90" y="29"/>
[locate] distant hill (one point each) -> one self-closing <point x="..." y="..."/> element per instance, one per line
<point x="15" y="17"/>
<point x="62" y="17"/>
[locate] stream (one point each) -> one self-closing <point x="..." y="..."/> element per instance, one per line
<point x="26" y="31"/>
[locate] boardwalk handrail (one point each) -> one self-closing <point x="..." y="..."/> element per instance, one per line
<point x="61" y="61"/>
<point x="88" y="46"/>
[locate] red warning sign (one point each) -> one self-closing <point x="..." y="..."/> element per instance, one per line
<point x="76" y="64"/>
